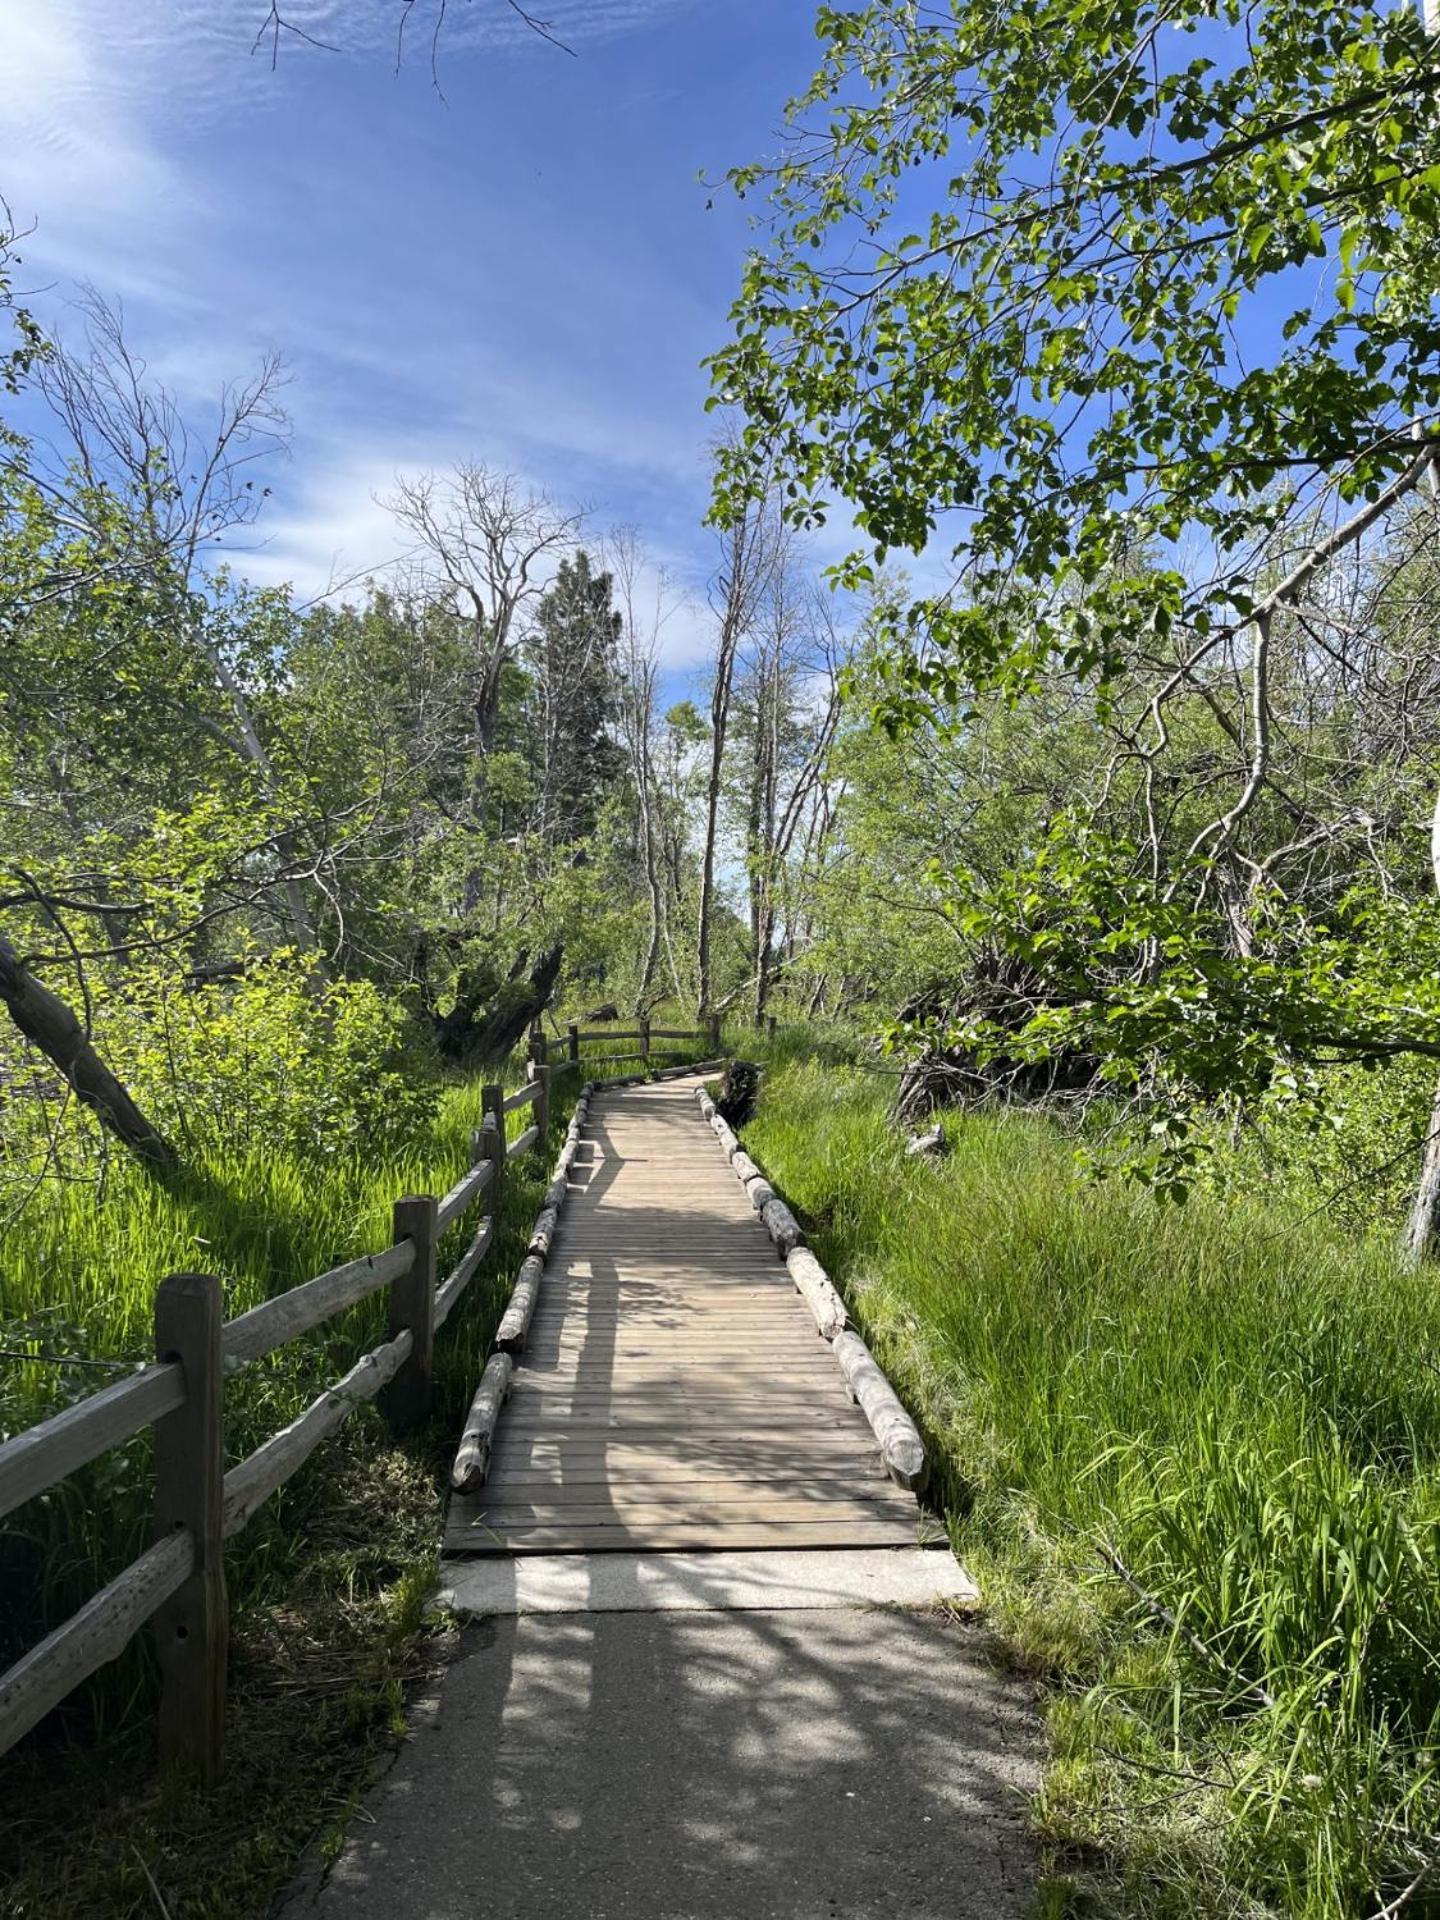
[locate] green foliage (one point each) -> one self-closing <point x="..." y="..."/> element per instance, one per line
<point x="1135" y="314"/>
<point x="1053" y="348"/>
<point x="1236" y="1403"/>
<point x="1148" y="984"/>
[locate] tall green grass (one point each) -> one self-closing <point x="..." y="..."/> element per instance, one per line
<point x="1234" y="1405"/>
<point x="80" y="1268"/>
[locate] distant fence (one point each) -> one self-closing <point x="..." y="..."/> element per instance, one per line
<point x="567" y="1049"/>
<point x="179" y="1582"/>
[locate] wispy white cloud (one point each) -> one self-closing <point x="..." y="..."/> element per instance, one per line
<point x="69" y="137"/>
<point x="329" y="530"/>
<point x="144" y="137"/>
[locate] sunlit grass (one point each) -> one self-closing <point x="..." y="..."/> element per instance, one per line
<point x="81" y="1266"/>
<point x="1237" y="1405"/>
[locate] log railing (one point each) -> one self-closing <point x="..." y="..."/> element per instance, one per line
<point x="567" y="1049"/>
<point x="179" y="1581"/>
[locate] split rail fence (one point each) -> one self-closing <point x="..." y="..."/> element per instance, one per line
<point x="179" y="1582"/>
<point x="567" y="1050"/>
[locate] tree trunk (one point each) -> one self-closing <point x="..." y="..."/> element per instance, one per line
<point x="46" y="1021"/>
<point x="720" y="715"/>
<point x="1423" y="1228"/>
<point x="472" y="1034"/>
<point x="1424" y="1223"/>
<point x="253" y="749"/>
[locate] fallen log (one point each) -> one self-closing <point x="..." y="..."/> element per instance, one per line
<point x="815" y="1288"/>
<point x="760" y="1192"/>
<point x="544" y="1232"/>
<point x="510" y="1335"/>
<point x="901" y="1447"/>
<point x="782" y="1227"/>
<point x="472" y="1457"/>
<point x="48" y="1023"/>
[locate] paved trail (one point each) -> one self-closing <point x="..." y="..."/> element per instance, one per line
<point x="702" y="1682"/>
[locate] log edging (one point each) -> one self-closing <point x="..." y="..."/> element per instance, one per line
<point x="901" y="1448"/>
<point x="472" y="1458"/>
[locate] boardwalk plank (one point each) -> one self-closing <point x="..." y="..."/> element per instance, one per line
<point x="674" y="1393"/>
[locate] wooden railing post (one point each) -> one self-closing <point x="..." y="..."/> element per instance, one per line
<point x="406" y="1401"/>
<point x="192" y="1628"/>
<point x="537" y="1043"/>
<point x="713" y="1029"/>
<point x="572" y="1034"/>
<point x="492" y="1146"/>
<point x="492" y="1102"/>
<point x="645" y="1039"/>
<point x="542" y="1104"/>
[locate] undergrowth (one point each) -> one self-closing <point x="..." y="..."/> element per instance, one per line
<point x="327" y="1583"/>
<point x="1192" y="1456"/>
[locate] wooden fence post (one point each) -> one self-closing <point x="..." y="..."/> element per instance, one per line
<point x="492" y="1102"/>
<point x="406" y="1401"/>
<point x="713" y="1028"/>
<point x="192" y="1629"/>
<point x="537" y="1043"/>
<point x="645" y="1038"/>
<point x="492" y="1139"/>
<point x="542" y="1104"/>
<point x="572" y="1034"/>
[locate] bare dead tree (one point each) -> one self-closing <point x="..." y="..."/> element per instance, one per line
<point x="793" y="686"/>
<point x="751" y="549"/>
<point x="185" y="489"/>
<point x="491" y="545"/>
<point x="647" y="606"/>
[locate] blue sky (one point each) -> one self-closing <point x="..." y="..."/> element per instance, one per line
<point x="524" y="273"/>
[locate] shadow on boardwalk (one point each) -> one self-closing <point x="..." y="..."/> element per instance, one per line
<point x="799" y="1765"/>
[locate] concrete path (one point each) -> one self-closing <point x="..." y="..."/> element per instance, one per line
<point x="846" y="1764"/>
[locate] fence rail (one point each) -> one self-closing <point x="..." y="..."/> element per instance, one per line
<point x="568" y="1047"/>
<point x="179" y="1581"/>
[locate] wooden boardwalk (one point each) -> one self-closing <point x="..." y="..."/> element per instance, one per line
<point x="674" y="1393"/>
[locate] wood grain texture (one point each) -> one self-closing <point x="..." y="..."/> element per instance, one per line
<point x="99" y="1632"/>
<point x="672" y="1393"/>
<point x="42" y="1455"/>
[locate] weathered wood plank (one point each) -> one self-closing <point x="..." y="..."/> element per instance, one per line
<point x="98" y="1633"/>
<point x="43" y="1455"/>
<point x="464" y="1271"/>
<point x="463" y="1195"/>
<point x="249" y="1485"/>
<point x="276" y="1322"/>
<point x="643" y="1507"/>
<point x="663" y="1535"/>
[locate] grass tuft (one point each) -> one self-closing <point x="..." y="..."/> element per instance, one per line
<point x="1232" y="1403"/>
